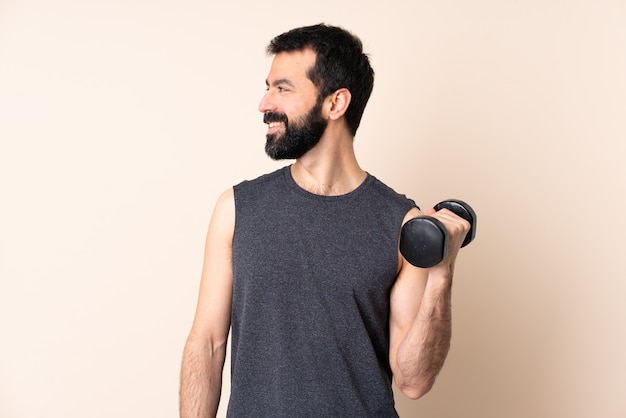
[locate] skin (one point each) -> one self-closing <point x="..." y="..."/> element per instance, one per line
<point x="420" y="319"/>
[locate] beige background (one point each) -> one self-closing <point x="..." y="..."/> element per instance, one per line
<point x="121" y="122"/>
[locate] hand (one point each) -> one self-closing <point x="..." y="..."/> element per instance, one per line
<point x="457" y="229"/>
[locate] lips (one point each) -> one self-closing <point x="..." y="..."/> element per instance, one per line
<point x="275" y="121"/>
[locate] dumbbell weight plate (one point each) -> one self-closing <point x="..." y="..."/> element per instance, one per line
<point x="423" y="241"/>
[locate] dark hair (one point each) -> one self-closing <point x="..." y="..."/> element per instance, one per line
<point x="340" y="63"/>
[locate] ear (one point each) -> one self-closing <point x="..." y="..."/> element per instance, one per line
<point x="339" y="101"/>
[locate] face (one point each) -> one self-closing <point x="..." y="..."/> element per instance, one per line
<point x="291" y="107"/>
<point x="299" y="135"/>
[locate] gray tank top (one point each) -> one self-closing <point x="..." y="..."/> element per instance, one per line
<point x="310" y="317"/>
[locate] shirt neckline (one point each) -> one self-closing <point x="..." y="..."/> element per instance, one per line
<point x="291" y="183"/>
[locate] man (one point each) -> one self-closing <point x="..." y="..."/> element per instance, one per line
<point x="303" y="262"/>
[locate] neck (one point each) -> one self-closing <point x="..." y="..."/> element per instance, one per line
<point x="330" y="168"/>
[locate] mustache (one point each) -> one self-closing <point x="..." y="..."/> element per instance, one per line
<point x="269" y="117"/>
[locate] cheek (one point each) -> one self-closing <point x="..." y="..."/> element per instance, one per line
<point x="299" y="108"/>
<point x="294" y="110"/>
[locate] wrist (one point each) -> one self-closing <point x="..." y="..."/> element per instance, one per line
<point x="441" y="273"/>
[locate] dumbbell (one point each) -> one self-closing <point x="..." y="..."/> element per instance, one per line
<point x="424" y="239"/>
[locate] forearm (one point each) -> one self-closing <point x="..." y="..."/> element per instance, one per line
<point x="422" y="353"/>
<point x="201" y="379"/>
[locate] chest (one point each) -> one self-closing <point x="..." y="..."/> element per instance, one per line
<point x="350" y="251"/>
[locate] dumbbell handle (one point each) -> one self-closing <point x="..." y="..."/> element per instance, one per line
<point x="424" y="239"/>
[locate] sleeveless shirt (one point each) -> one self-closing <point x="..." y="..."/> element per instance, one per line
<point x="310" y="313"/>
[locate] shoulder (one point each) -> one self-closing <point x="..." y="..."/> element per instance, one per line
<point x="226" y="198"/>
<point x="263" y="179"/>
<point x="390" y="195"/>
<point x="224" y="211"/>
<point x="265" y="188"/>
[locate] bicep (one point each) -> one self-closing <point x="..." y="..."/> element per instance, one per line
<point x="212" y="318"/>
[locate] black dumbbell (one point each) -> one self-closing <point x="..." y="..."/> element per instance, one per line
<point x="424" y="239"/>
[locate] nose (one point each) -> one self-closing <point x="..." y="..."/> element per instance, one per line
<point x="267" y="104"/>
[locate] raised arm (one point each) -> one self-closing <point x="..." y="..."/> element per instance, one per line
<point x="420" y="319"/>
<point x="205" y="349"/>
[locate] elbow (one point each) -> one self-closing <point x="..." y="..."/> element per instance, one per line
<point x="417" y="389"/>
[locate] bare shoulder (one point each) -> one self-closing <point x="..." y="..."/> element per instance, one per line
<point x="223" y="218"/>
<point x="225" y="204"/>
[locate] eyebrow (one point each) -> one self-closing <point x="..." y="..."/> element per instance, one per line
<point x="280" y="81"/>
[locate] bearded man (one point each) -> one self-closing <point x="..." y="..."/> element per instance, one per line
<point x="302" y="265"/>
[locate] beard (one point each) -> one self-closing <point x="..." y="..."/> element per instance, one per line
<point x="298" y="137"/>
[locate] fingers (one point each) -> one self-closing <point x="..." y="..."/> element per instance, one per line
<point x="456" y="226"/>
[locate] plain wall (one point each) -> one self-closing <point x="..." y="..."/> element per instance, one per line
<point x="122" y="121"/>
